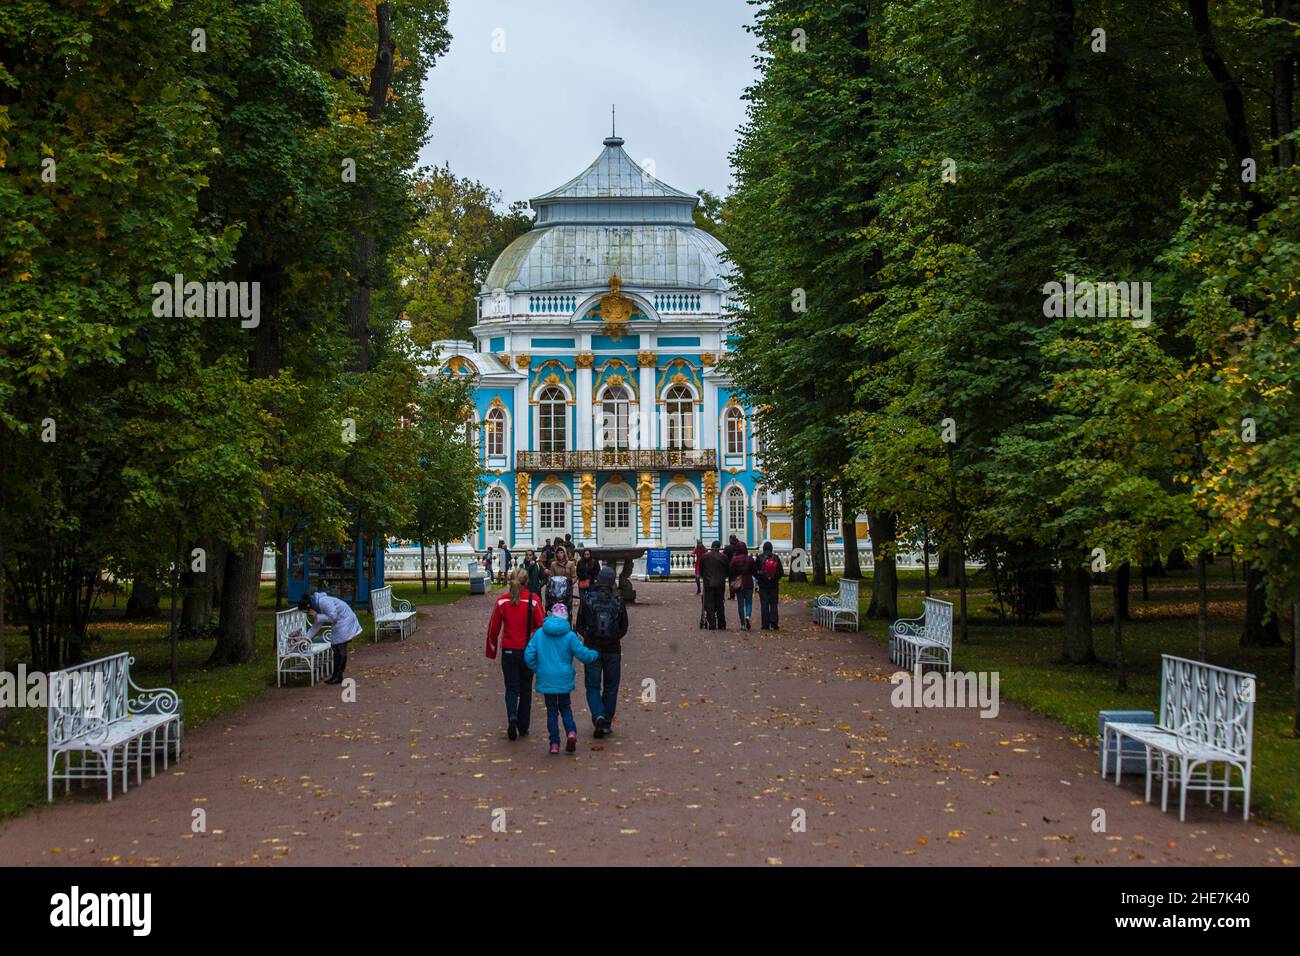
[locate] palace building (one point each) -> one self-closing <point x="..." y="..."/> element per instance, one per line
<point x="600" y="410"/>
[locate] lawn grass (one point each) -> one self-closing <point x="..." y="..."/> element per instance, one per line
<point x="1027" y="660"/>
<point x="207" y="692"/>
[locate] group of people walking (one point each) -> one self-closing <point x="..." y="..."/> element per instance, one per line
<point x="530" y="625"/>
<point x="719" y="571"/>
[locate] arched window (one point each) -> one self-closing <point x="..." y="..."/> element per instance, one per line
<point x="494" y="432"/>
<point x="611" y="431"/>
<point x="734" y="430"/>
<point x="679" y="516"/>
<point x="553" y="411"/>
<point x="681" y="417"/>
<point x="552" y="512"/>
<point x="494" y="515"/>
<point x="736" y="523"/>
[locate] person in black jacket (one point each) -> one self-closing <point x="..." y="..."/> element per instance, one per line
<point x="767" y="575"/>
<point x="713" y="570"/>
<point x="604" y="623"/>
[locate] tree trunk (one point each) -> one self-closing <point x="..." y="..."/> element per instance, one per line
<point x="1295" y="660"/>
<point x="1177" y="561"/>
<point x="883" y="527"/>
<point x="849" y="526"/>
<point x="237" y="643"/>
<point x="1202" y="607"/>
<point x="281" y="573"/>
<point x="446" y="567"/>
<point x="944" y="568"/>
<point x="1120" y="598"/>
<point x="4" y="711"/>
<point x="1123" y="575"/>
<point x="175" y="595"/>
<point x="925" y="558"/>
<point x="798" y="519"/>
<point x="1260" y="630"/>
<point x="1076" y="594"/>
<point x="1281" y="106"/>
<point x="424" y="576"/>
<point x="143" y="602"/>
<point x="963" y="629"/>
<point x="818" y="507"/>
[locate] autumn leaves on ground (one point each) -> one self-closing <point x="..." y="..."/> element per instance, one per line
<point x="730" y="747"/>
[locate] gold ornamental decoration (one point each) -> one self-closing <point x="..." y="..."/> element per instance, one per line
<point x="710" y="492"/>
<point x="707" y="359"/>
<point x="646" y="359"/>
<point x="584" y="359"/>
<point x="645" y="488"/>
<point x="521" y="492"/>
<point x="587" y="486"/>
<point x="523" y="360"/>
<point x="615" y="309"/>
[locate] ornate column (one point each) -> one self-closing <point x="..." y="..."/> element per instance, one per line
<point x="649" y="406"/>
<point x="584" y="362"/>
<point x="709" y="413"/>
<point x="587" y="487"/>
<point x="645" y="487"/>
<point x="522" y="482"/>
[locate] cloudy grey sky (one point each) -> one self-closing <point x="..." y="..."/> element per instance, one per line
<point x="533" y="116"/>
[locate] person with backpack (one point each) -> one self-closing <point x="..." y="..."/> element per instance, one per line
<point x="548" y="553"/>
<point x="604" y="626"/>
<point x="741" y="570"/>
<point x="517" y="613"/>
<point x="768" y="573"/>
<point x="338" y="616"/>
<point x="713" y="572"/>
<point x="563" y="577"/>
<point x="550" y="653"/>
<point x="698" y="552"/>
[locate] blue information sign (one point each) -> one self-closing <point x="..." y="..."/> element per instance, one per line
<point x="656" y="561"/>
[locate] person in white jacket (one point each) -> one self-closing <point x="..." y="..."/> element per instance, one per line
<point x="327" y="611"/>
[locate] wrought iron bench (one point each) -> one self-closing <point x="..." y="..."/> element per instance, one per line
<point x="401" y="619"/>
<point x="94" y="718"/>
<point x="295" y="654"/>
<point x="917" y="641"/>
<point x="1207" y="717"/>
<point x="827" y="609"/>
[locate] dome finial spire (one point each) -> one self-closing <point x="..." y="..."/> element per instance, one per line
<point x="613" y="139"/>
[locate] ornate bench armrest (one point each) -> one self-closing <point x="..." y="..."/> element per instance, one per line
<point x="402" y="606"/>
<point x="152" y="700"/>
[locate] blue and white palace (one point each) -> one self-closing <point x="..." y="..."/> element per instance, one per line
<point x="600" y="409"/>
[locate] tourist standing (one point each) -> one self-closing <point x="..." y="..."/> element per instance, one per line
<point x="563" y="578"/>
<point x="699" y="552"/>
<point x="768" y="572"/>
<point x="517" y="613"/>
<point x="504" y="554"/>
<point x="713" y="574"/>
<point x="588" y="568"/>
<point x="326" y="611"/>
<point x="742" y="583"/>
<point x="604" y="626"/>
<point x="550" y="653"/>
<point x="548" y="553"/>
<point x="536" y="573"/>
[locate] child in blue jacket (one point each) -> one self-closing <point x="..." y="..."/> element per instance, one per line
<point x="550" y="652"/>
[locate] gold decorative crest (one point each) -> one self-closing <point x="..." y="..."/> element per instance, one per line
<point x="584" y="359"/>
<point x="615" y="309"/>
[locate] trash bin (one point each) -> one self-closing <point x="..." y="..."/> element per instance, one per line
<point x="477" y="581"/>
<point x="1134" y="754"/>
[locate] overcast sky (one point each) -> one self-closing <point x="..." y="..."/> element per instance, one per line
<point x="531" y="117"/>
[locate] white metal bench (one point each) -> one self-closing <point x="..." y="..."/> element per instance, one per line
<point x="295" y="654"/>
<point x="1207" y="717"/>
<point x="827" y="609"/>
<point x="917" y="641"/>
<point x="97" y="726"/>
<point x="389" y="618"/>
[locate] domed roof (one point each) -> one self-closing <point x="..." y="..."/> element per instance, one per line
<point x="612" y="218"/>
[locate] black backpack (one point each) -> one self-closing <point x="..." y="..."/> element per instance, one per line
<point x="603" y="617"/>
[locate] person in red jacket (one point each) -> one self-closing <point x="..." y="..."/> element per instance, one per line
<point x="518" y="614"/>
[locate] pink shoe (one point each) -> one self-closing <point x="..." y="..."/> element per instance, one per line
<point x="571" y="744"/>
<point x="555" y="748"/>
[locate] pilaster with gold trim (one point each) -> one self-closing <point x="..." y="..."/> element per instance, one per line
<point x="587" y="487"/>
<point x="645" y="486"/>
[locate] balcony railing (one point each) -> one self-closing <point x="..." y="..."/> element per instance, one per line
<point x="611" y="460"/>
